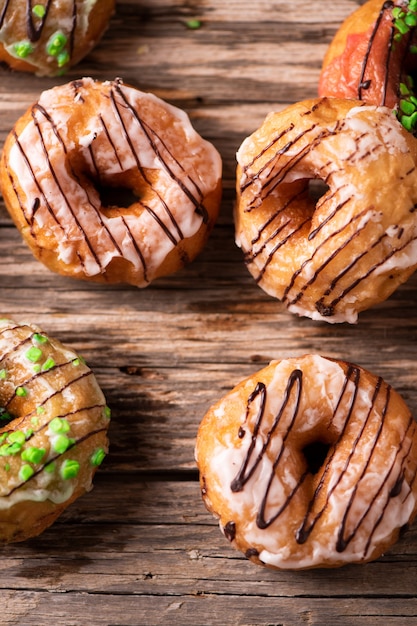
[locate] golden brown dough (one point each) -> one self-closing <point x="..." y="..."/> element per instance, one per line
<point x="331" y="258"/>
<point x="310" y="462"/>
<point x="53" y="433"/>
<point x="111" y="184"/>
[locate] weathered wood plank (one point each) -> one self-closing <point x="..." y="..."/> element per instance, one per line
<point x="141" y="549"/>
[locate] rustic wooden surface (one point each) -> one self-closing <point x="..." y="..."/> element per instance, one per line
<point x="140" y="549"/>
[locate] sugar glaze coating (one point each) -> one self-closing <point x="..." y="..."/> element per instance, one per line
<point x="256" y="479"/>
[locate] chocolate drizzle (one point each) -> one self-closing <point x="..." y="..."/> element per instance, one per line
<point x="126" y="119"/>
<point x="363" y="500"/>
<point x="325" y="274"/>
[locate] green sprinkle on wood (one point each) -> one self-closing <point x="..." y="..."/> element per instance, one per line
<point x="193" y="24"/>
<point x="21" y="392"/>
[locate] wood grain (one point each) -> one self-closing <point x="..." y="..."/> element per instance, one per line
<point x="141" y="549"/>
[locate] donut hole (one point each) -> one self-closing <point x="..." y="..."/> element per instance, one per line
<point x="120" y="197"/>
<point x="5" y="417"/>
<point x="315" y="454"/>
<point x="317" y="188"/>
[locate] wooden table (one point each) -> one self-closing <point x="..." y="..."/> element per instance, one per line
<point x="141" y="549"/>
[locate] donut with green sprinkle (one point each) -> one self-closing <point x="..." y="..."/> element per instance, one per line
<point x="50" y="36"/>
<point x="373" y="58"/>
<point x="53" y="429"/>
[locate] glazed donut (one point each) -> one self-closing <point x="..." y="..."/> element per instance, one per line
<point x="108" y="183"/>
<point x="373" y="57"/>
<point x="333" y="258"/>
<point x="50" y="36"/>
<point x="311" y="462"/>
<point x="53" y="425"/>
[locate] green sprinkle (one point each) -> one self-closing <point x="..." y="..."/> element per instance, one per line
<point x="8" y="449"/>
<point x="411" y="20"/>
<point x="401" y="26"/>
<point x="22" y="392"/>
<point x="69" y="469"/>
<point x="34" y="354"/>
<point x="39" y="10"/>
<point x="404" y="90"/>
<point x="397" y="12"/>
<point x="26" y="472"/>
<point x="23" y="49"/>
<point x="3" y="374"/>
<point x="61" y="444"/>
<point x="33" y="455"/>
<point x="107" y="412"/>
<point x="49" y="364"/>
<point x="7" y="467"/>
<point x="63" y="58"/>
<point x="50" y="468"/>
<point x="78" y="361"/>
<point x="193" y="24"/>
<point x="40" y="410"/>
<point x="56" y="43"/>
<point x="36" y="368"/>
<point x="407" y="122"/>
<point x="413" y="49"/>
<point x="28" y="433"/>
<point x="3" y="436"/>
<point x="34" y="420"/>
<point x="407" y="107"/>
<point x="59" y="425"/>
<point x="97" y="457"/>
<point x="38" y="338"/>
<point x="18" y="436"/>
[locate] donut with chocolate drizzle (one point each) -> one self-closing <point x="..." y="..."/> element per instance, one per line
<point x="53" y="429"/>
<point x="310" y="462"/>
<point x="373" y="57"/>
<point x="50" y="36"/>
<point x="328" y="258"/>
<point x="111" y="184"/>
